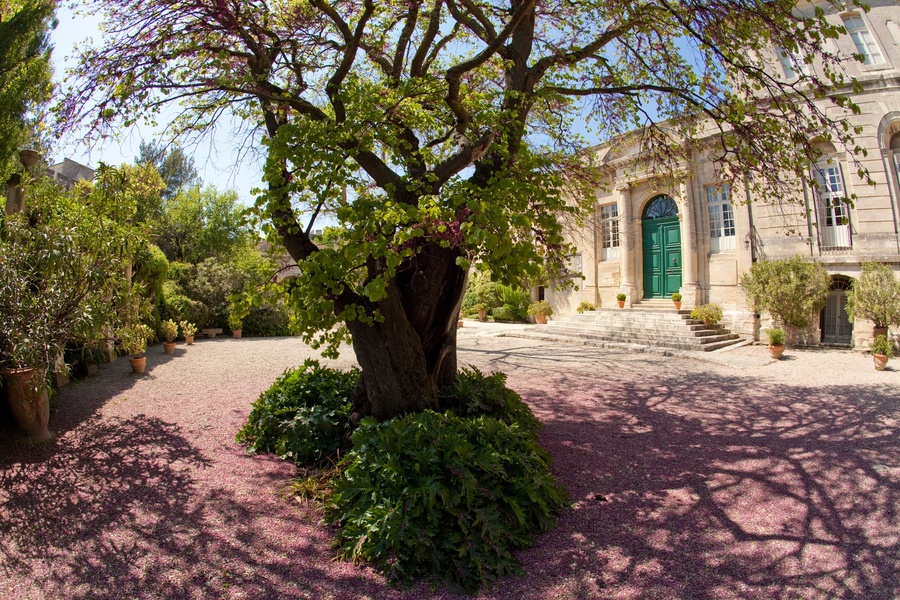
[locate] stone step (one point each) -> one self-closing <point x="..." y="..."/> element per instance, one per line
<point x="636" y="336"/>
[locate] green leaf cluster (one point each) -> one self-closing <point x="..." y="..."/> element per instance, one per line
<point x="708" y="313"/>
<point x="443" y="498"/>
<point x="792" y="289"/>
<point x="875" y="295"/>
<point x="304" y="416"/>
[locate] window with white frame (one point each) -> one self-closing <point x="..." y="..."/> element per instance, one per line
<point x="792" y="65"/>
<point x="833" y="212"/>
<point x="609" y="232"/>
<point x="863" y="40"/>
<point x="722" y="235"/>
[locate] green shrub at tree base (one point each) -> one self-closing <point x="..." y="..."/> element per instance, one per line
<point x="304" y="416"/>
<point x="475" y="394"/>
<point x="178" y="307"/>
<point x="442" y="498"/>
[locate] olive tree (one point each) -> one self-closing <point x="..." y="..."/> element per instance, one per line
<point x="792" y="290"/>
<point x="443" y="134"/>
<point x="875" y="296"/>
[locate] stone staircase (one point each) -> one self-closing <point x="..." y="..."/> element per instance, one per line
<point x="649" y="323"/>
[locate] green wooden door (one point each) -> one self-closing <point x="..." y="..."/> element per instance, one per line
<point x="662" y="257"/>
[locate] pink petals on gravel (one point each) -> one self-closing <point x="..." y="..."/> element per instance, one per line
<point x="688" y="480"/>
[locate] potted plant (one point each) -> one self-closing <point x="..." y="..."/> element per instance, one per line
<point x="584" y="305"/>
<point x="676" y="300"/>
<point x="188" y="330"/>
<point x="133" y="341"/>
<point x="776" y="342"/>
<point x="169" y="331"/>
<point x="882" y="350"/>
<point x="620" y="298"/>
<point x="235" y="322"/>
<point x="482" y="310"/>
<point x="875" y="296"/>
<point x="540" y="310"/>
<point x="710" y="313"/>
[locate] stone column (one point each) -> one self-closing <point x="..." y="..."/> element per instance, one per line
<point x="626" y="241"/>
<point x="690" y="290"/>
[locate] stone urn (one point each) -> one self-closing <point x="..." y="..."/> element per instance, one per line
<point x="29" y="401"/>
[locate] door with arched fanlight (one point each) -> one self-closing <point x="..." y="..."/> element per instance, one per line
<point x="836" y="328"/>
<point x="661" y="231"/>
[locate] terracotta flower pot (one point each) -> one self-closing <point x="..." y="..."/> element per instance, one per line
<point x="189" y="340"/>
<point x="540" y="319"/>
<point x="169" y="347"/>
<point x="138" y="364"/>
<point x="482" y="316"/>
<point x="459" y="323"/>
<point x="881" y="361"/>
<point x="677" y="305"/>
<point x="29" y="401"/>
<point x="621" y="303"/>
<point x="236" y="333"/>
<point x="776" y="351"/>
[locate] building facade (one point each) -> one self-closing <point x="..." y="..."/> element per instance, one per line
<point x="698" y="236"/>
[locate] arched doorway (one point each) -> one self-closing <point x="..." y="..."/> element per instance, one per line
<point x="835" y="326"/>
<point x="661" y="231"/>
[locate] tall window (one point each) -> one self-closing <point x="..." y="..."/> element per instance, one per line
<point x="833" y="211"/>
<point x="895" y="150"/>
<point x="863" y="40"/>
<point x="609" y="228"/>
<point x="721" y="218"/>
<point x="792" y="65"/>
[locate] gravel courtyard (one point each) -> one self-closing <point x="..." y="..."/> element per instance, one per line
<point x="726" y="477"/>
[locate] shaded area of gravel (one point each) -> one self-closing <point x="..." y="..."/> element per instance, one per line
<point x="734" y="479"/>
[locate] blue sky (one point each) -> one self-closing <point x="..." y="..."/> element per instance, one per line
<point x="217" y="159"/>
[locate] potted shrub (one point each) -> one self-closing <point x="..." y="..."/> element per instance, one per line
<point x="676" y="299"/>
<point x="776" y="342"/>
<point x="235" y="322"/>
<point x="882" y="350"/>
<point x="62" y="280"/>
<point x="133" y="341"/>
<point x="169" y="331"/>
<point x="482" y="310"/>
<point x="875" y="296"/>
<point x="540" y="310"/>
<point x="710" y="313"/>
<point x="620" y="298"/>
<point x="792" y="290"/>
<point x="585" y="305"/>
<point x="188" y="330"/>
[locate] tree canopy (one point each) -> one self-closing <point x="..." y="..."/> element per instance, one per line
<point x="175" y="167"/>
<point x="25" y="73"/>
<point x="446" y="133"/>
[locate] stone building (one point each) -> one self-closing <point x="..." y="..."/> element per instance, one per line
<point x="697" y="236"/>
<point x="68" y="172"/>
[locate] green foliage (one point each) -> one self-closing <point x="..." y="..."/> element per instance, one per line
<point x="25" y="75"/>
<point x="201" y="223"/>
<point x="304" y="416"/>
<point x="475" y="394"/>
<point x="875" y="296"/>
<point x="151" y="269"/>
<point x="585" y="305"/>
<point x="438" y="497"/>
<point x="621" y="297"/>
<point x="178" y="307"/>
<point x="676" y="297"/>
<point x="61" y="274"/>
<point x="168" y="330"/>
<point x="482" y="291"/>
<point x="881" y="345"/>
<point x="133" y="338"/>
<point x="776" y="336"/>
<point x="505" y="315"/>
<point x="541" y="307"/>
<point x="187" y="329"/>
<point x="792" y="289"/>
<point x="708" y="313"/>
<point x="235" y="321"/>
<point x="214" y="282"/>
<point x="267" y="320"/>
<point x="515" y="302"/>
<point x="175" y="168"/>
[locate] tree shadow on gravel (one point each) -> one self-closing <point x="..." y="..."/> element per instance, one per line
<point x="702" y="486"/>
<point x="115" y="511"/>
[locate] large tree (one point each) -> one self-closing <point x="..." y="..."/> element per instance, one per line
<point x="25" y="74"/>
<point x="441" y="134"/>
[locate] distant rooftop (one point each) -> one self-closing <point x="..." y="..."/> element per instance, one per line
<point x="68" y="172"/>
